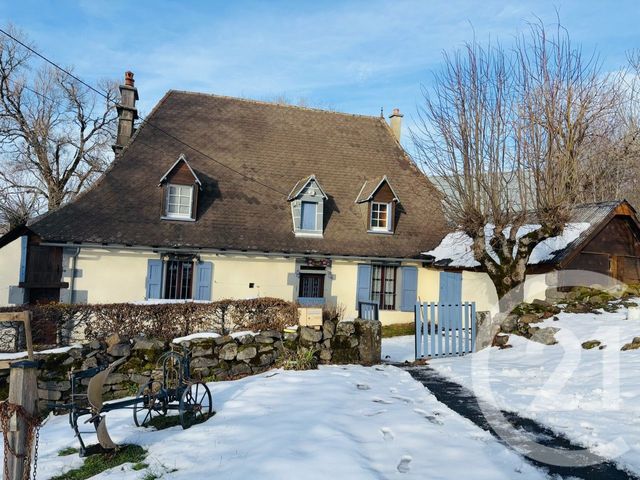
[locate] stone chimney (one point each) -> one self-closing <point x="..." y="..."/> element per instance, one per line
<point x="127" y="112"/>
<point x="395" y="119"/>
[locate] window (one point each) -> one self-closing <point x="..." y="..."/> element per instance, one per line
<point x="178" y="280"/>
<point x="380" y="216"/>
<point x="308" y="216"/>
<point x="179" y="201"/>
<point x="383" y="286"/>
<point x="311" y="285"/>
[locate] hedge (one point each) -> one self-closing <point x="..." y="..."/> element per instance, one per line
<point x="164" y="320"/>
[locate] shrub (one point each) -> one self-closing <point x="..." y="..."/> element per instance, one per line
<point x="164" y="321"/>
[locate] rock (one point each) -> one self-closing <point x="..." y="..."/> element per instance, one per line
<point x="144" y="343"/>
<point x="291" y="336"/>
<point x="119" y="350"/>
<point x="240" y="369"/>
<point x="486" y="330"/>
<point x="589" y="344"/>
<point x="139" y="379"/>
<point x="328" y="329"/>
<point x="68" y="361"/>
<point x="244" y="339"/>
<point x="50" y="395"/>
<point x="325" y="354"/>
<point x="90" y="362"/>
<point x="310" y="335"/>
<point x="204" y="362"/>
<point x="633" y="345"/>
<point x="578" y="308"/>
<point x="261" y="338"/>
<point x="546" y="336"/>
<point x="369" y="340"/>
<point x="542" y="303"/>
<point x="500" y="340"/>
<point x="223" y="340"/>
<point x="529" y="318"/>
<point x="271" y="333"/>
<point x="228" y="351"/>
<point x="201" y="351"/>
<point x="57" y="386"/>
<point x="345" y="328"/>
<point x="75" y="353"/>
<point x="265" y="359"/>
<point x="596" y="299"/>
<point x="265" y="348"/>
<point x="95" y="345"/>
<point x="115" y="338"/>
<point x="509" y="324"/>
<point x="247" y="353"/>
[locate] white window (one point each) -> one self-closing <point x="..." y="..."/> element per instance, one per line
<point x="179" y="201"/>
<point x="308" y="216"/>
<point x="380" y="213"/>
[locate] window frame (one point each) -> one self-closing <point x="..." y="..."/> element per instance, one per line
<point x="177" y="215"/>
<point x="310" y="275"/>
<point x="301" y="228"/>
<point x="179" y="283"/>
<point x="388" y="210"/>
<point x="380" y="296"/>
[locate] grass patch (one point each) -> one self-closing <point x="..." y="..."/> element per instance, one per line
<point x="99" y="462"/>
<point x="398" y="329"/>
<point x="164" y="421"/>
<point x="151" y="476"/>
<point x="67" y="451"/>
<point x="140" y="466"/>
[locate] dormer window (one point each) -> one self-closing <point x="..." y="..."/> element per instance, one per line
<point x="307" y="207"/>
<point x="180" y="191"/>
<point x="380" y="200"/>
<point x="380" y="216"/>
<point x="179" y="201"/>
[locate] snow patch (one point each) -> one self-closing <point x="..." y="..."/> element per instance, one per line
<point x="194" y="336"/>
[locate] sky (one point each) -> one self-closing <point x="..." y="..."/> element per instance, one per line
<point x="350" y="56"/>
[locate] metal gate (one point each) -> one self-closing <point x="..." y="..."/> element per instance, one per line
<point x="445" y="329"/>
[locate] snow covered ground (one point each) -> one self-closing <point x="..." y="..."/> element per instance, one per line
<point x="336" y="422"/>
<point x="591" y="396"/>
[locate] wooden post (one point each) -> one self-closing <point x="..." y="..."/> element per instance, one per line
<point x="23" y="390"/>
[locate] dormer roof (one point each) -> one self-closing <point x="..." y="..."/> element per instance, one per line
<point x="370" y="187"/>
<point x="302" y="184"/>
<point x="181" y="159"/>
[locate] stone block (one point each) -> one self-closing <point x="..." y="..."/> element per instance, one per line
<point x="119" y="350"/>
<point x="310" y="335"/>
<point x="115" y="378"/>
<point x="58" y="386"/>
<point x="115" y="338"/>
<point x="223" y="340"/>
<point x="228" y="351"/>
<point x="204" y="362"/>
<point x="145" y="343"/>
<point x="50" y="395"/>
<point x="240" y="369"/>
<point x="247" y="352"/>
<point x="368" y="340"/>
<point x="345" y="328"/>
<point x="261" y="338"/>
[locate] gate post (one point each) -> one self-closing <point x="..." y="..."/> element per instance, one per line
<point x="23" y="391"/>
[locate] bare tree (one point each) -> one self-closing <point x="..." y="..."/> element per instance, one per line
<point x="17" y="206"/>
<point x="55" y="133"/>
<point x="503" y="132"/>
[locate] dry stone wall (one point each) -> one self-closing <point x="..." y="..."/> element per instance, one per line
<point x="220" y="358"/>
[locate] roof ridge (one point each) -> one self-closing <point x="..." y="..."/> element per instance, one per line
<point x="274" y="104"/>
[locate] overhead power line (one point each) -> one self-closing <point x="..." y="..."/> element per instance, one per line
<point x="144" y="120"/>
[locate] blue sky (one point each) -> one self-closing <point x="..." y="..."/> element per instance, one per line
<point x="353" y="56"/>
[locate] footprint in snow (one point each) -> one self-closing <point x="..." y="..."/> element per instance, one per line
<point x="393" y="389"/>
<point x="381" y="400"/>
<point x="403" y="466"/>
<point x="428" y="417"/>
<point x="406" y="400"/>
<point x="387" y="434"/>
<point x="363" y="386"/>
<point x="373" y="413"/>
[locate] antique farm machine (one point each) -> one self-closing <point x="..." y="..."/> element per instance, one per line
<point x="174" y="392"/>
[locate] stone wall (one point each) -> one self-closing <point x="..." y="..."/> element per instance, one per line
<point x="220" y="358"/>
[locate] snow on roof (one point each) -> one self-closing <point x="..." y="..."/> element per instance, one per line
<point x="455" y="249"/>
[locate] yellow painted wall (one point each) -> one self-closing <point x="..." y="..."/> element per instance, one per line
<point x="9" y="269"/>
<point x="272" y="277"/>
<point x="112" y="276"/>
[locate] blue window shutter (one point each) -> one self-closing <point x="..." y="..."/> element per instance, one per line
<point x="450" y="288"/>
<point x="23" y="258"/>
<point x="308" y="214"/>
<point x="363" y="292"/>
<point x="154" y="279"/>
<point x="409" y="289"/>
<point x="204" y="276"/>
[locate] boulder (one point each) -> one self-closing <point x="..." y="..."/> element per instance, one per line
<point x="247" y="353"/>
<point x="311" y="335"/>
<point x="328" y="329"/>
<point x="119" y="350"/>
<point x="60" y="386"/>
<point x="486" y="330"/>
<point x="500" y="340"/>
<point x="345" y="328"/>
<point x="509" y="324"/>
<point x="223" y="340"/>
<point x="530" y="318"/>
<point x="115" y="378"/>
<point x="115" y="338"/>
<point x="589" y="344"/>
<point x="546" y="336"/>
<point x="240" y="369"/>
<point x="203" y="362"/>
<point x="228" y="351"/>
<point x="271" y="333"/>
<point x="145" y="343"/>
<point x="325" y="354"/>
<point x="633" y="345"/>
<point x="261" y="338"/>
<point x="244" y="339"/>
<point x="370" y="340"/>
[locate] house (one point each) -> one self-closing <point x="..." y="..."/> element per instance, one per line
<point x="213" y="197"/>
<point x="600" y="237"/>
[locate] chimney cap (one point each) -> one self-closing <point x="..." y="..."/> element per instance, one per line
<point x="128" y="78"/>
<point x="396" y="113"/>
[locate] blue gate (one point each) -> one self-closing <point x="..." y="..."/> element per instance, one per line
<point x="445" y="329"/>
